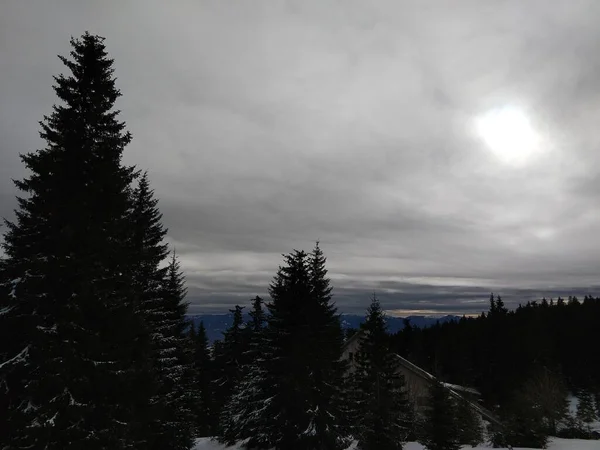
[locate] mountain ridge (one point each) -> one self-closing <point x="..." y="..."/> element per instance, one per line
<point x="216" y="324"/>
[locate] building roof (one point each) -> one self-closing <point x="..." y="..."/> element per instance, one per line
<point x="454" y="389"/>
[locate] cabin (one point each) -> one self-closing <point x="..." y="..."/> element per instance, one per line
<point x="418" y="382"/>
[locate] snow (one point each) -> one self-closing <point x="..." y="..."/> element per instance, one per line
<point x="554" y="444"/>
<point x="16" y="359"/>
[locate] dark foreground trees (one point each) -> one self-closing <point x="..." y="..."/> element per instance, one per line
<point x="289" y="397"/>
<point x="381" y="414"/>
<point x="80" y="367"/>
<point x="441" y="429"/>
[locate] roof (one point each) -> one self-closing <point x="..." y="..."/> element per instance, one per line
<point x="454" y="389"/>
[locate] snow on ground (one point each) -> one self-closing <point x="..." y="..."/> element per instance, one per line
<point x="555" y="444"/>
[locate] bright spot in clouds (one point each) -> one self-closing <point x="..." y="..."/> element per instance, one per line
<point x="509" y="135"/>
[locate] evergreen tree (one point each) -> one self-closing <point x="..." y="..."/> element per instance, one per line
<point x="258" y="317"/>
<point x="441" y="430"/>
<point x="546" y="390"/>
<point x="470" y="427"/>
<point x="381" y="414"/>
<point x="75" y="371"/>
<point x="586" y="412"/>
<point x="206" y="423"/>
<point x="192" y="335"/>
<point x="524" y="422"/>
<point x="239" y="415"/>
<point x="148" y="251"/>
<point x="229" y="359"/>
<point x="174" y="422"/>
<point x="279" y="404"/>
<point x="327" y="371"/>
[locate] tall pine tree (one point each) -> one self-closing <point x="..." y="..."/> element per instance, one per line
<point x="238" y="417"/>
<point x="206" y="420"/>
<point x="73" y="374"/>
<point x="175" y="421"/>
<point x="381" y="413"/>
<point x="441" y="430"/>
<point x="280" y="403"/>
<point x="229" y="359"/>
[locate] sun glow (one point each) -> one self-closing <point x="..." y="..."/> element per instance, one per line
<point x="509" y="135"/>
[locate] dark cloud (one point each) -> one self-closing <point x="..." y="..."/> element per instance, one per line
<point x="266" y="126"/>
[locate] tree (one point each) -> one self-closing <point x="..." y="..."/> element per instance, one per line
<point x="239" y="415"/>
<point x="283" y="402"/>
<point x="381" y="414"/>
<point x="546" y="390"/>
<point x="327" y="368"/>
<point x="440" y="431"/>
<point x="258" y="317"/>
<point x="470" y="427"/>
<point x="586" y="412"/>
<point x="229" y="359"/>
<point x="206" y="423"/>
<point x="161" y="295"/>
<point x="253" y="334"/>
<point x="69" y="302"/>
<point x="174" y="422"/>
<point x="524" y="422"/>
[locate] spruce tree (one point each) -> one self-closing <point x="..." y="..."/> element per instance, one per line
<point x="470" y="426"/>
<point x="258" y="317"/>
<point x="229" y="359"/>
<point x="328" y="369"/>
<point x="278" y="404"/>
<point x="74" y="373"/>
<point x="206" y="423"/>
<point x="381" y="413"/>
<point x="441" y="430"/>
<point x="586" y="412"/>
<point x="241" y="410"/>
<point x="175" y="402"/>
<point x="192" y="336"/>
<point x="545" y="389"/>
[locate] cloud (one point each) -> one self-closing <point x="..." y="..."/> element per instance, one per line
<point x="267" y="125"/>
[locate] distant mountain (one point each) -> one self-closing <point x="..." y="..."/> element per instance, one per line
<point x="216" y="324"/>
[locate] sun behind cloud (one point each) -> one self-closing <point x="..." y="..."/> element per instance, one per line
<point x="509" y="135"/>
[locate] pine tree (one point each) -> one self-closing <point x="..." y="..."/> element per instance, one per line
<point x="206" y="423"/>
<point x="229" y="359"/>
<point x="277" y="404"/>
<point x="71" y="310"/>
<point x="381" y="412"/>
<point x="441" y="431"/>
<point x="192" y="335"/>
<point x="470" y="427"/>
<point x="174" y="422"/>
<point x="242" y="408"/>
<point x="258" y="317"/>
<point x="546" y="390"/>
<point x="328" y="369"/>
<point x="586" y="412"/>
<point x="147" y="252"/>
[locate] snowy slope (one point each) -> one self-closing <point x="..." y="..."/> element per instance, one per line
<point x="555" y="444"/>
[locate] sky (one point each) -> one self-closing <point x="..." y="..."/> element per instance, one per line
<point x="438" y="152"/>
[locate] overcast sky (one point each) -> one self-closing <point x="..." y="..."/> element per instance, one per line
<point x="266" y="125"/>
